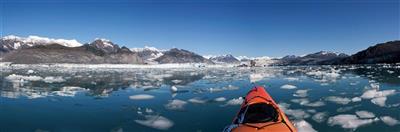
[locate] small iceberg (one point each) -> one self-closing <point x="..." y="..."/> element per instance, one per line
<point x="304" y="126"/>
<point x="389" y="120"/>
<point x="156" y="122"/>
<point x="175" y="104"/>
<point x="141" y="97"/>
<point x="288" y="86"/>
<point x="349" y="121"/>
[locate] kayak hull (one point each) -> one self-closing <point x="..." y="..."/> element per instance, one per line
<point x="258" y="96"/>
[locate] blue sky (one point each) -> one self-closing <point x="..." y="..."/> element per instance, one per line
<point x="257" y="28"/>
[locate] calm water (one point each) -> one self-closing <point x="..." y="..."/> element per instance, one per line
<point x="328" y="98"/>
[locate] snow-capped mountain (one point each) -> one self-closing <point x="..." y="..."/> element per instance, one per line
<point x="11" y="42"/>
<point x="311" y="59"/>
<point x="224" y="59"/>
<point x="148" y="53"/>
<point x="181" y="56"/>
<point x="325" y="54"/>
<point x="243" y="58"/>
<point x="105" y="45"/>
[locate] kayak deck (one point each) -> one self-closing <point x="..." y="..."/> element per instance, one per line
<point x="260" y="113"/>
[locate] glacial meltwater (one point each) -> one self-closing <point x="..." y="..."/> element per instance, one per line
<point x="316" y="98"/>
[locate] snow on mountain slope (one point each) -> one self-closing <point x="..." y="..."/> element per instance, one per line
<point x="29" y="41"/>
<point x="228" y="58"/>
<point x="148" y="53"/>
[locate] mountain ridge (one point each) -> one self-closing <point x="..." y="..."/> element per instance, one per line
<point x="15" y="49"/>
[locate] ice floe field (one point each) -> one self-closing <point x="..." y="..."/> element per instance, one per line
<point x="194" y="97"/>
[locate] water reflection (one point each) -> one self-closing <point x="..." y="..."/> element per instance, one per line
<point x="315" y="95"/>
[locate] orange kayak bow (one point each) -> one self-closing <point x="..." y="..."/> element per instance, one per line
<point x="260" y="113"/>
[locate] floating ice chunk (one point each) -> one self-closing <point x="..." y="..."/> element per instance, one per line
<point x="306" y="102"/>
<point x="303" y="126"/>
<point x="197" y="100"/>
<point x="311" y="111"/>
<point x="175" y="104"/>
<point x="174" y="89"/>
<point x="288" y="86"/>
<point x="155" y="121"/>
<point x="380" y="101"/>
<point x="389" y="120"/>
<point x="374" y="85"/>
<point x="297" y="113"/>
<point x="148" y="110"/>
<point x="349" y="121"/>
<point x="229" y="87"/>
<point x="118" y="129"/>
<point x="365" y="114"/>
<point x="283" y="105"/>
<point x="30" y="71"/>
<point x="338" y="100"/>
<point x="356" y="99"/>
<point x="255" y="77"/>
<point x="390" y="72"/>
<point x="369" y="94"/>
<point x="292" y="79"/>
<point x="348" y="108"/>
<point x="315" y="104"/>
<point x="315" y="73"/>
<point x="354" y="83"/>
<point x="51" y="79"/>
<point x="18" y="78"/>
<point x="176" y="81"/>
<point x="332" y="74"/>
<point x="215" y="89"/>
<point x="234" y="101"/>
<point x="324" y="84"/>
<point x="220" y="99"/>
<point x="320" y="117"/>
<point x="301" y="93"/>
<point x="69" y="91"/>
<point x="141" y="97"/>
<point x="301" y="101"/>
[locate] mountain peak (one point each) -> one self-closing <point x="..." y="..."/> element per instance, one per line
<point x="148" y="53"/>
<point x="146" y="48"/>
<point x="105" y="45"/>
<point x="227" y="58"/>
